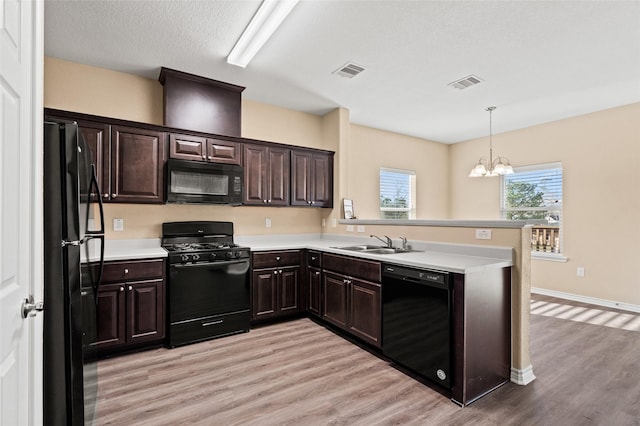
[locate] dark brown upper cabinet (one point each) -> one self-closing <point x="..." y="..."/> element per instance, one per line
<point x="129" y="161"/>
<point x="196" y="148"/>
<point x="137" y="165"/>
<point x="311" y="179"/>
<point x="98" y="137"/>
<point x="200" y="104"/>
<point x="266" y="175"/>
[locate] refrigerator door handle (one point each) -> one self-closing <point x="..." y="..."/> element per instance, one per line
<point x="99" y="234"/>
<point x="94" y="184"/>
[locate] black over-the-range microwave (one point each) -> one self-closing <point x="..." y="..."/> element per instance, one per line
<point x="206" y="183"/>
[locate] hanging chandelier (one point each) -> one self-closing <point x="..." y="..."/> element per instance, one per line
<point x="491" y="167"/>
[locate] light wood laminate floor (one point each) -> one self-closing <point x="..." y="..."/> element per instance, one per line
<point x="299" y="373"/>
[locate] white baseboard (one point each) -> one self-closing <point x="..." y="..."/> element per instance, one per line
<point x="586" y="299"/>
<point x="522" y="376"/>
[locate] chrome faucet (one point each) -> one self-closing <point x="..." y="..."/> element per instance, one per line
<point x="404" y="243"/>
<point x="388" y="241"/>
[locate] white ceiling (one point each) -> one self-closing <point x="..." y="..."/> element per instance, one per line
<point x="540" y="60"/>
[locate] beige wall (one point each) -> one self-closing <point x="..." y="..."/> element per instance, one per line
<point x="600" y="154"/>
<point x="82" y="88"/>
<point x="370" y="149"/>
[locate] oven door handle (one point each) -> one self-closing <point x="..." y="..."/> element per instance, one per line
<point x="210" y="264"/>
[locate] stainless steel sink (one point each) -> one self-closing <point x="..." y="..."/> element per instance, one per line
<point x="360" y="247"/>
<point x="365" y="248"/>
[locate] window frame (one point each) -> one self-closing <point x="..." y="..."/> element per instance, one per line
<point x="411" y="209"/>
<point x="555" y="256"/>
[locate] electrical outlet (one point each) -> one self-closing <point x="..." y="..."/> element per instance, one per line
<point x="267" y="223"/>
<point x="349" y="228"/>
<point x="483" y="234"/>
<point x="360" y="228"/>
<point x="580" y="271"/>
<point x="118" y="224"/>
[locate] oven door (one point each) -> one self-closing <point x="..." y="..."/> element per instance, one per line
<point x="208" y="300"/>
<point x="206" y="183"/>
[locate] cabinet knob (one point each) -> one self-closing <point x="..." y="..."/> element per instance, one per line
<point x="210" y="157"/>
<point x="268" y="201"/>
<point x="278" y="258"/>
<point x="204" y="157"/>
<point x="317" y="273"/>
<point x="121" y="288"/>
<point x="313" y="258"/>
<point x="264" y="201"/>
<point x="309" y="202"/>
<point x="126" y="271"/>
<point x="130" y="288"/>
<point x="275" y="272"/>
<point x="105" y="195"/>
<point x="114" y="195"/>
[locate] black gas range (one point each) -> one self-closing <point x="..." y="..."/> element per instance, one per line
<point x="208" y="283"/>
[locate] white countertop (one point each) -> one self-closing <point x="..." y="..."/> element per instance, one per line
<point x="124" y="249"/>
<point x="457" y="258"/>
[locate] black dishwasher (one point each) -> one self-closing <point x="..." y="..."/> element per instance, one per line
<point x="416" y="321"/>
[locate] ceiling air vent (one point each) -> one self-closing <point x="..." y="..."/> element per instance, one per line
<point x="349" y="70"/>
<point x="465" y="82"/>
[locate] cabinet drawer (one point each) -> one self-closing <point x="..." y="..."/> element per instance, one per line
<point x="314" y="259"/>
<point x="366" y="269"/>
<point x="273" y="259"/>
<point x="132" y="271"/>
<point x="219" y="151"/>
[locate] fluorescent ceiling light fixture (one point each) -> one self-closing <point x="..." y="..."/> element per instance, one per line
<point x="264" y="23"/>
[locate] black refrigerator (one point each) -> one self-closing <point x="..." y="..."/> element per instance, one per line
<point x="70" y="291"/>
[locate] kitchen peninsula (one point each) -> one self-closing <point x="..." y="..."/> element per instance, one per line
<point x="469" y="262"/>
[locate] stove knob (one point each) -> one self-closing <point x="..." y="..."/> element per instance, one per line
<point x="195" y="257"/>
<point x="238" y="254"/>
<point x="212" y="257"/>
<point x="228" y="254"/>
<point x="184" y="257"/>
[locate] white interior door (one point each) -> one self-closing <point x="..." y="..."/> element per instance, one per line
<point x="21" y="59"/>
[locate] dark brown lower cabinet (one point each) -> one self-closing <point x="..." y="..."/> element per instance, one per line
<point x="353" y="305"/>
<point x="314" y="285"/>
<point x="275" y="292"/>
<point x="275" y="284"/>
<point x="131" y="311"/>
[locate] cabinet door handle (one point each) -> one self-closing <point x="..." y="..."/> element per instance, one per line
<point x="130" y="288"/>
<point x="121" y="288"/>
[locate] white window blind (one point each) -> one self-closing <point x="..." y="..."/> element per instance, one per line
<point x="535" y="192"/>
<point x="397" y="194"/>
